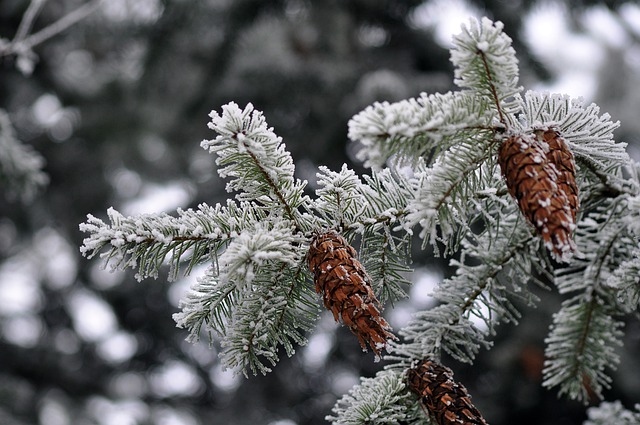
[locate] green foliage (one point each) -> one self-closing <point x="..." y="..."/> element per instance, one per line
<point x="382" y="400"/>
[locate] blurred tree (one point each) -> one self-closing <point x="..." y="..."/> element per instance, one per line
<point x="115" y="104"/>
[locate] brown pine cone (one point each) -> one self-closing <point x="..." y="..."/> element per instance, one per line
<point x="346" y="290"/>
<point x="446" y="400"/>
<point x="540" y="175"/>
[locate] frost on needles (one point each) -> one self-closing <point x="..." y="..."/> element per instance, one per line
<point x="435" y="176"/>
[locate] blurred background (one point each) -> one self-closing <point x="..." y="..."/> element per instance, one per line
<point x="117" y="105"/>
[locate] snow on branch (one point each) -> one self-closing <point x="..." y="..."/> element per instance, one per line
<point x="417" y="128"/>
<point x="339" y="199"/>
<point x="486" y="63"/>
<point x="625" y="280"/>
<point x="276" y="311"/>
<point x="441" y="193"/>
<point x="146" y="241"/>
<point x="255" y="247"/>
<point x="207" y="306"/>
<point x="255" y="160"/>
<point x="20" y="166"/>
<point x="257" y="303"/>
<point x="589" y="134"/>
<point x="582" y="344"/>
<point x="383" y="399"/>
<point x="491" y="274"/>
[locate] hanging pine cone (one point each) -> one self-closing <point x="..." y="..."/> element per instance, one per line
<point x="346" y="290"/>
<point x="446" y="400"/>
<point x="540" y="174"/>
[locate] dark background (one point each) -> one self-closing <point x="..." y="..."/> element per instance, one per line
<point x="118" y="104"/>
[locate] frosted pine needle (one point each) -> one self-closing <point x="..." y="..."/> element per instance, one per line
<point x="346" y="290"/>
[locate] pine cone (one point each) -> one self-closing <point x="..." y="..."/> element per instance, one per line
<point x="447" y="401"/>
<point x="540" y="175"/>
<point x="346" y="290"/>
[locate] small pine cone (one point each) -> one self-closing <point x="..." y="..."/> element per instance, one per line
<point x="540" y="175"/>
<point x="447" y="401"/>
<point x="346" y="290"/>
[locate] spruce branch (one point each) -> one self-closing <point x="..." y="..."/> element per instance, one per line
<point x="381" y="400"/>
<point x="486" y="64"/>
<point x="384" y="256"/>
<point x="339" y="199"/>
<point x="489" y="279"/>
<point x="145" y="242"/>
<point x="255" y="160"/>
<point x="585" y="332"/>
<point x="443" y="180"/>
<point x="590" y="135"/>
<point x="582" y="344"/>
<point x="209" y="303"/>
<point x="625" y="281"/>
<point x="419" y="127"/>
<point x="441" y="192"/>
<point x="277" y="311"/>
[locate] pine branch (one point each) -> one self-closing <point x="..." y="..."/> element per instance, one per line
<point x="582" y="344"/>
<point x="625" y="281"/>
<point x="276" y="311"/>
<point x="146" y="241"/>
<point x="255" y="160"/>
<point x="486" y="63"/>
<point x="418" y="128"/>
<point x="207" y="306"/>
<point x="256" y="247"/>
<point x="371" y="209"/>
<point x="444" y="178"/>
<point x="590" y="136"/>
<point x="385" y="258"/>
<point x="386" y="194"/>
<point x="490" y="276"/>
<point x="383" y="399"/>
<point x="339" y="199"/>
<point x="585" y="334"/>
<point x="442" y="191"/>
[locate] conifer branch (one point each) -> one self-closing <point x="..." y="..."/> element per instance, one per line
<point x="582" y="344"/>
<point x="499" y="265"/>
<point x="418" y="128"/>
<point x="145" y="241"/>
<point x="381" y="400"/>
<point x="443" y="157"/>
<point x="256" y="161"/>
